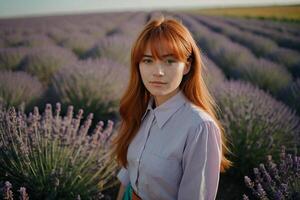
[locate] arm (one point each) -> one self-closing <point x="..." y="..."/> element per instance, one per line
<point x="123" y="176"/>
<point x="201" y="163"/>
<point x="121" y="192"/>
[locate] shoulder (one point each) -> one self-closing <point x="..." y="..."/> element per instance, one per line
<point x="199" y="119"/>
<point x="197" y="115"/>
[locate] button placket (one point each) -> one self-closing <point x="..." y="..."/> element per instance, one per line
<point x="147" y="130"/>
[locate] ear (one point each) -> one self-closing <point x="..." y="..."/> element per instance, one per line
<point x="187" y="68"/>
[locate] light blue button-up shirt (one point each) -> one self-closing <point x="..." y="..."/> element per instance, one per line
<point x="176" y="153"/>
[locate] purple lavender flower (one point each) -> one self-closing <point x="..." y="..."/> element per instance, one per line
<point x="279" y="181"/>
<point x="7" y="194"/>
<point x="66" y="151"/>
<point x="23" y="194"/>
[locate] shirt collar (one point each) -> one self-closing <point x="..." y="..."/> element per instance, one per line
<point x="167" y="109"/>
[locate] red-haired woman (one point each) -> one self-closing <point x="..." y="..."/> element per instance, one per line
<point x="170" y="143"/>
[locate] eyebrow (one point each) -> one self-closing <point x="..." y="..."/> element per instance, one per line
<point x="166" y="55"/>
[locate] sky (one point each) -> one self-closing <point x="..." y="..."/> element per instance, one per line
<point x="21" y="8"/>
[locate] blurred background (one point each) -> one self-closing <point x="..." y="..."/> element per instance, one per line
<point x="77" y="53"/>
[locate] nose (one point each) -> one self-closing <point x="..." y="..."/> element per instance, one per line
<point x="158" y="69"/>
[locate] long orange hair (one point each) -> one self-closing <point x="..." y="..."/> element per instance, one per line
<point x="175" y="36"/>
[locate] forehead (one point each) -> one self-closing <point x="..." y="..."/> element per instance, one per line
<point x="159" y="50"/>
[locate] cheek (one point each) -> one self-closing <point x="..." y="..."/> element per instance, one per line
<point x="176" y="73"/>
<point x="143" y="72"/>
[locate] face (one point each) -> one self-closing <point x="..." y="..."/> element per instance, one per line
<point x="168" y="71"/>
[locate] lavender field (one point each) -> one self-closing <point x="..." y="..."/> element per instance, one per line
<point x="64" y="76"/>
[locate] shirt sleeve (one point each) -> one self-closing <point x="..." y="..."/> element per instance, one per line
<point x="123" y="176"/>
<point x="201" y="163"/>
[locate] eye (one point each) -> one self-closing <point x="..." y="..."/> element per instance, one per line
<point x="170" y="61"/>
<point x="146" y="61"/>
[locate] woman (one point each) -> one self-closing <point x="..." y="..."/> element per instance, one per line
<point x="170" y="143"/>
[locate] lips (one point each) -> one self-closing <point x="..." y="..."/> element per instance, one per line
<point x="157" y="82"/>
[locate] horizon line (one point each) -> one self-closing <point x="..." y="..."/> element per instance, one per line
<point x="179" y="8"/>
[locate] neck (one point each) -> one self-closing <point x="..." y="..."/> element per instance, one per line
<point x="153" y="105"/>
<point x="158" y="100"/>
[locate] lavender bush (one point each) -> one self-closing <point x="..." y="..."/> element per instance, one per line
<point x="255" y="123"/>
<point x="288" y="58"/>
<point x="77" y="42"/>
<point x="276" y="181"/>
<point x="212" y="74"/>
<point x="56" y="34"/>
<point x="54" y="156"/>
<point x="93" y="30"/>
<point x="94" y="85"/>
<point x="14" y="39"/>
<point x="18" y="88"/>
<point x="44" y="62"/>
<point x="291" y="95"/>
<point x="10" y="58"/>
<point x="36" y="40"/>
<point x="123" y="24"/>
<point x="113" y="47"/>
<point x="135" y="24"/>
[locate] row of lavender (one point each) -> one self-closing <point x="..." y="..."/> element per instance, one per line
<point x="277" y="27"/>
<point x="285" y="35"/>
<point x="272" y="68"/>
<point x="87" y="70"/>
<point x="93" y="78"/>
<point x="260" y="46"/>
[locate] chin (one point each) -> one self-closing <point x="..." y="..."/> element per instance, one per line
<point x="157" y="92"/>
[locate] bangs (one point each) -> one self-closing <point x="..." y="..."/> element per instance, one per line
<point x="165" y="40"/>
